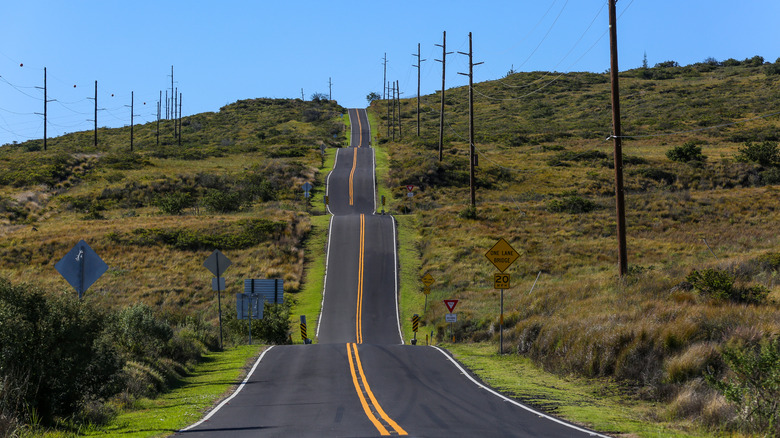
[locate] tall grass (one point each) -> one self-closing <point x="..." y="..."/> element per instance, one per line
<point x="650" y="329"/>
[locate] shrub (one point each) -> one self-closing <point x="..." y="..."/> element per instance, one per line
<point x="572" y="204"/>
<point x="689" y="151"/>
<point x="222" y="201"/>
<point x="719" y="285"/>
<point x="766" y="154"/>
<point x="54" y="353"/>
<point x="174" y="203"/>
<point x="752" y="383"/>
<point x="124" y="160"/>
<point x="770" y="176"/>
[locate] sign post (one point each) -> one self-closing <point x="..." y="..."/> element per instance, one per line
<point x="217" y="263"/>
<point x="415" y="326"/>
<point x="451" y="317"/>
<point x="502" y="255"/>
<point x="304" y="334"/>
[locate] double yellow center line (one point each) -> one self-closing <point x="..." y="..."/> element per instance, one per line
<point x="361" y="260"/>
<point x="352" y="178"/>
<point x="354" y="160"/>
<point x="383" y="423"/>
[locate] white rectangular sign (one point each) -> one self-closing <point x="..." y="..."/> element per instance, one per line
<point x="451" y="317"/>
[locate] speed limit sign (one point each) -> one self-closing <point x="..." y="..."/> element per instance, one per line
<point x="501" y="281"/>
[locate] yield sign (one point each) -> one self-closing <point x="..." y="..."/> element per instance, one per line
<point x="217" y="263"/>
<point x="410" y="187"/>
<point x="81" y="267"/>
<point x="502" y="255"/>
<point x="450" y="304"/>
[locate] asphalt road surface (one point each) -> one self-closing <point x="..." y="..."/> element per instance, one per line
<point x="359" y="379"/>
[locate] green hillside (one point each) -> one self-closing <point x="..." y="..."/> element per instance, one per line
<point x="154" y="214"/>
<point x="702" y="171"/>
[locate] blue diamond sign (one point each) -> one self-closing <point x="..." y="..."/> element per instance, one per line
<point x="81" y="267"/>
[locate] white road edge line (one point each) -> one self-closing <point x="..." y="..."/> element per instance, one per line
<point x="397" y="311"/>
<point x="325" y="278"/>
<point x="515" y="402"/>
<point x="227" y="400"/>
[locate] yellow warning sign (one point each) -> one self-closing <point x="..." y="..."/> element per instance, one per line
<point x="428" y="280"/>
<point x="502" y="255"/>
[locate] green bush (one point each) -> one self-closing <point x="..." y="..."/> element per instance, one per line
<point x="689" y="151"/>
<point x="124" y="160"/>
<point x="54" y="353"/>
<point x="766" y="154"/>
<point x="572" y="204"/>
<point x="174" y="203"/>
<point x="222" y="201"/>
<point x="752" y="384"/>
<point x="720" y="285"/>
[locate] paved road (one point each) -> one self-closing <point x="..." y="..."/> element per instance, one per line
<point x="359" y="380"/>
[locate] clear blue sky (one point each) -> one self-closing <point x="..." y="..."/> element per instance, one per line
<point x="229" y="50"/>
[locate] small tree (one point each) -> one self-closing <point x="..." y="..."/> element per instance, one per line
<point x="765" y="154"/>
<point x="689" y="151"/>
<point x="372" y="96"/>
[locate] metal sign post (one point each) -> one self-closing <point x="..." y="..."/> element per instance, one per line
<point x="502" y="255"/>
<point x="217" y="263"/>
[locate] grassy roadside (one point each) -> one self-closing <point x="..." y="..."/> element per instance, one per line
<point x="598" y="404"/>
<point x="212" y="379"/>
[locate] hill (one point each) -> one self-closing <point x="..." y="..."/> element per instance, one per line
<point x="156" y="212"/>
<point x="701" y="171"/>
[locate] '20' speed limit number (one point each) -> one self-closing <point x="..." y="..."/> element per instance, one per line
<point x="501" y="281"/>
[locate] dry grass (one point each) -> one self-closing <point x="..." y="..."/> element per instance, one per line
<point x="581" y="318"/>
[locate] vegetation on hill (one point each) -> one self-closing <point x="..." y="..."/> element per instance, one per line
<point x="699" y="306"/>
<point x="153" y="214"/>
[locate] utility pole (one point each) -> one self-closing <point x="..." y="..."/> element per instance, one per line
<point x="387" y="98"/>
<point x="443" y="61"/>
<point x="175" y="114"/>
<point x="159" y="111"/>
<point x="172" y="106"/>
<point x="96" y="110"/>
<point x="398" y="100"/>
<point x="419" y="63"/>
<point x="472" y="154"/>
<point x="303" y="98"/>
<point x="393" y="99"/>
<point x="45" y="108"/>
<point x="131" y="121"/>
<point x="619" y="195"/>
<point x="179" y="119"/>
<point x="330" y="89"/>
<point x="385" y="85"/>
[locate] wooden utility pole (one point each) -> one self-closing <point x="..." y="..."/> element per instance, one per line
<point x="385" y="85"/>
<point x="96" y="110"/>
<point x="131" y="121"/>
<point x="171" y="106"/>
<point x="398" y="99"/>
<point x="179" y="119"/>
<point x="472" y="158"/>
<point x="419" y="63"/>
<point x="175" y="118"/>
<point x="45" y="108"/>
<point x="443" y="61"/>
<point x="159" y="113"/>
<point x="393" y="99"/>
<point x="619" y="195"/>
<point x="387" y="98"/>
